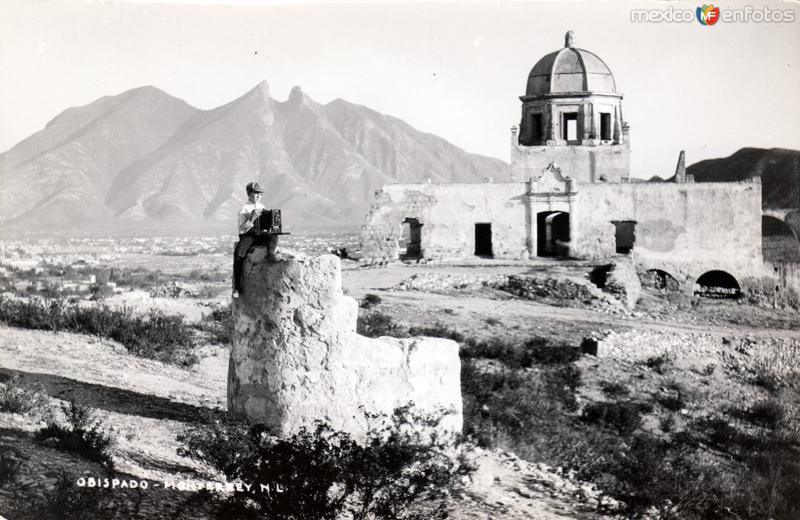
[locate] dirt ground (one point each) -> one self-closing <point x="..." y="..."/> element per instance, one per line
<point x="148" y="403"/>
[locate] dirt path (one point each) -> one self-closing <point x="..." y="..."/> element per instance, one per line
<point x="530" y="311"/>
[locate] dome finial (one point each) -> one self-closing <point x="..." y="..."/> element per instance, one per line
<point x="569" y="39"/>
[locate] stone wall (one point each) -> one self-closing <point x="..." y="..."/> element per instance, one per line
<point x="296" y="357"/>
<point x="448" y="214"/>
<point x="785" y="283"/>
<point x="683" y="229"/>
<point x="584" y="164"/>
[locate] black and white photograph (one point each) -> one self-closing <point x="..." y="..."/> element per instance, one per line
<point x="399" y="260"/>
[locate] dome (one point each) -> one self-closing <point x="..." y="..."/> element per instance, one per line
<point x="570" y="70"/>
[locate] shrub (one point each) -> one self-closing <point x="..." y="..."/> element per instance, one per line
<point x="624" y="417"/>
<point x="667" y="423"/>
<point x="659" y="363"/>
<point x="83" y="434"/>
<point x="771" y="486"/>
<point x="377" y="324"/>
<point x="16" y="397"/>
<point x="514" y="354"/>
<point x="437" y="331"/>
<point x="514" y="404"/>
<point x="767" y="413"/>
<point x="370" y="300"/>
<point x="156" y="336"/>
<point x="766" y="380"/>
<point x="674" y="398"/>
<point x="657" y="476"/>
<point x="320" y="473"/>
<point x="614" y="389"/>
<point x="219" y="323"/>
<point x="10" y="464"/>
<point x="69" y="502"/>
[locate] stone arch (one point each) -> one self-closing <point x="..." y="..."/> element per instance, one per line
<point x="717" y="284"/>
<point x="660" y="280"/>
<point x="779" y="242"/>
<point x="552" y="233"/>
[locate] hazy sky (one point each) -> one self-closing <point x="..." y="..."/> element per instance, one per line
<point x="453" y="69"/>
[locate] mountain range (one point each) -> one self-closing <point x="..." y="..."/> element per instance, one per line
<point x="146" y="160"/>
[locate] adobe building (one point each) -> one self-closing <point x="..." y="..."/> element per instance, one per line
<point x="571" y="194"/>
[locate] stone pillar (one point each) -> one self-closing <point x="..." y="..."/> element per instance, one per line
<point x="296" y="357"/>
<point x="514" y="151"/>
<point x="553" y="138"/>
<point x="680" y="168"/>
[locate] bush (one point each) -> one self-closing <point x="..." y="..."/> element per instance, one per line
<point x="512" y="404"/>
<point x="437" y="331"/>
<point x="156" y="336"/>
<point x="614" y="389"/>
<point x="655" y="475"/>
<point x="659" y="364"/>
<point x="767" y="413"/>
<point x="69" y="502"/>
<point x="16" y="397"/>
<point x="320" y="473"/>
<point x="514" y="354"/>
<point x="219" y="323"/>
<point x="83" y="434"/>
<point x="674" y="398"/>
<point x="10" y="464"/>
<point x="623" y="417"/>
<point x="377" y="324"/>
<point x="370" y="300"/>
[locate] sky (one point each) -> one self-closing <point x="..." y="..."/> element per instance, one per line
<point x="455" y="69"/>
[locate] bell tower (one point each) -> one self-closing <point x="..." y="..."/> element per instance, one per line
<point x="572" y="117"/>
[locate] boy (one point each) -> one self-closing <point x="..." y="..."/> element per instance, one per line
<point x="247" y="217"/>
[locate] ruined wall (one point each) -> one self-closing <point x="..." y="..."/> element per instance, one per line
<point x="786" y="284"/>
<point x="585" y="164"/>
<point x="448" y="213"/>
<point x="684" y="229"/>
<point x="296" y="358"/>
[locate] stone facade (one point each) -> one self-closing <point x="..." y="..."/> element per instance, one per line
<point x="296" y="357"/>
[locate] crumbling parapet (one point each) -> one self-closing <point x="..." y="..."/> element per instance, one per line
<point x="296" y="357"/>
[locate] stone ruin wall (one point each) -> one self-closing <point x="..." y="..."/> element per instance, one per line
<point x="683" y="229"/>
<point x="448" y="213"/>
<point x="296" y="357"/>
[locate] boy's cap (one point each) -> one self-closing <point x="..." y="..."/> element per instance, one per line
<point x="254" y="187"/>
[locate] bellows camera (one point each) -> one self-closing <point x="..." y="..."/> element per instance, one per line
<point x="269" y="222"/>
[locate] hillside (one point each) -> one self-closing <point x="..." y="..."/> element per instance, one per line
<point x="778" y="168"/>
<point x="59" y="176"/>
<point x="148" y="161"/>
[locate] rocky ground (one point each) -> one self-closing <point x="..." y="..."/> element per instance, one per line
<point x="713" y="347"/>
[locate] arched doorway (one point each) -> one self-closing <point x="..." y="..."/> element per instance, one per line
<point x="779" y="242"/>
<point x="717" y="284"/>
<point x="660" y="280"/>
<point x="552" y="233"/>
